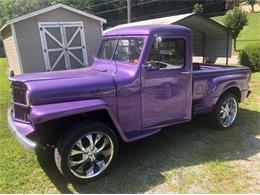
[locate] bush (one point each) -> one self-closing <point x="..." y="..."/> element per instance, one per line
<point x="250" y="56"/>
<point x="198" y="8"/>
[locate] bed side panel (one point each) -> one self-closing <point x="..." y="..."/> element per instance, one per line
<point x="210" y="84"/>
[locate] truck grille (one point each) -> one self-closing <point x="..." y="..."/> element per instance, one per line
<point x="21" y="111"/>
<point x="19" y="95"/>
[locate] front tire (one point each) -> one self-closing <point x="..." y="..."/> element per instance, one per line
<point x="86" y="152"/>
<point x="225" y="111"/>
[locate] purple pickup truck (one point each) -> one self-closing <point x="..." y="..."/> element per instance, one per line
<point x="142" y="79"/>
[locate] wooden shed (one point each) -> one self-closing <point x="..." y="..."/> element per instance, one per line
<point x="54" y="38"/>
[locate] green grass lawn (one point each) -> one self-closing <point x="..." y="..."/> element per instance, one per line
<point x="250" y="32"/>
<point x="187" y="158"/>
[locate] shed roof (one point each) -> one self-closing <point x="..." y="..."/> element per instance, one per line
<point x="193" y="20"/>
<point x="50" y="8"/>
<point x="157" y="21"/>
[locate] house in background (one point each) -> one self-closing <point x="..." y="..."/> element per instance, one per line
<point x="58" y="37"/>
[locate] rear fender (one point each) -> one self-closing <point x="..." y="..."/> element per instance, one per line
<point x="48" y="112"/>
<point x="216" y="87"/>
<point x="221" y="84"/>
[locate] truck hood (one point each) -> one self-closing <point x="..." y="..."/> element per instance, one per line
<point x="65" y="74"/>
<point x="69" y="85"/>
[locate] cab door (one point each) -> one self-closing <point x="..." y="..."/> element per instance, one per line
<point x="166" y="82"/>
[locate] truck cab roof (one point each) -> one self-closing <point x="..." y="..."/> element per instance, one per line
<point x="147" y="30"/>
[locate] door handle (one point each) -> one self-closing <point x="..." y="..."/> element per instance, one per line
<point x="188" y="72"/>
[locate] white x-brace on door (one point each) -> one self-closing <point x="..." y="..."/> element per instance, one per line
<point x="63" y="45"/>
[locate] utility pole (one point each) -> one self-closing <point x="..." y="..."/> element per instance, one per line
<point x="128" y="11"/>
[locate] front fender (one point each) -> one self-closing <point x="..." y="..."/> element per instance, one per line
<point x="48" y="112"/>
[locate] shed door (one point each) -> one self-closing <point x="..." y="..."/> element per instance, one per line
<point x="63" y="45"/>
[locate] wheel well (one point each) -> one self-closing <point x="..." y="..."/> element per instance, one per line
<point x="235" y="91"/>
<point x="49" y="132"/>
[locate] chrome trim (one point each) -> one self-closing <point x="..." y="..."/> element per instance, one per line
<point x="27" y="98"/>
<point x="188" y="72"/>
<point x="25" y="142"/>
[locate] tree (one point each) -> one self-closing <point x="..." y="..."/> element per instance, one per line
<point x="113" y="11"/>
<point x="84" y="5"/>
<point x="230" y="4"/>
<point x="235" y="20"/>
<point x="198" y="8"/>
<point x="252" y="3"/>
<point x="13" y="8"/>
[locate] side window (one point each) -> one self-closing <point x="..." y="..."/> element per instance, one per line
<point x="171" y="53"/>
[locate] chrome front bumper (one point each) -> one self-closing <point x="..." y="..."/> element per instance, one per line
<point x="24" y="141"/>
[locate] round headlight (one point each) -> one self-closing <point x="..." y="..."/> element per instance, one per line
<point x="27" y="98"/>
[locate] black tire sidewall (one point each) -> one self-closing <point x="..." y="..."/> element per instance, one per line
<point x="69" y="138"/>
<point x="216" y="113"/>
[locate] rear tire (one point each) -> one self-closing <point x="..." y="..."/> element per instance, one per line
<point x="225" y="111"/>
<point x="86" y="152"/>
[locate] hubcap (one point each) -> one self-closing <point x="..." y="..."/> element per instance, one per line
<point x="228" y="112"/>
<point x="90" y="155"/>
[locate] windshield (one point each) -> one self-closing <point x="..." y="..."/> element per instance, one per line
<point x="125" y="50"/>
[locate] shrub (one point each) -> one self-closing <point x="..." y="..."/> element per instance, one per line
<point x="250" y="56"/>
<point x="198" y="8"/>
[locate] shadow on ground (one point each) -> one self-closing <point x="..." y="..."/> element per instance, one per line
<point x="140" y="164"/>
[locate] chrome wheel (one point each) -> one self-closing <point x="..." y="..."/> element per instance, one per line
<point x="90" y="155"/>
<point x="228" y="112"/>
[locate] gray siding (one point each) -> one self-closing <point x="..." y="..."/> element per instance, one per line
<point x="216" y="45"/>
<point x="29" y="44"/>
<point x="28" y="37"/>
<point x="197" y="42"/>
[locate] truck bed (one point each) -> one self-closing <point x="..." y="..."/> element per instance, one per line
<point x="209" y="77"/>
<point x="200" y="69"/>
